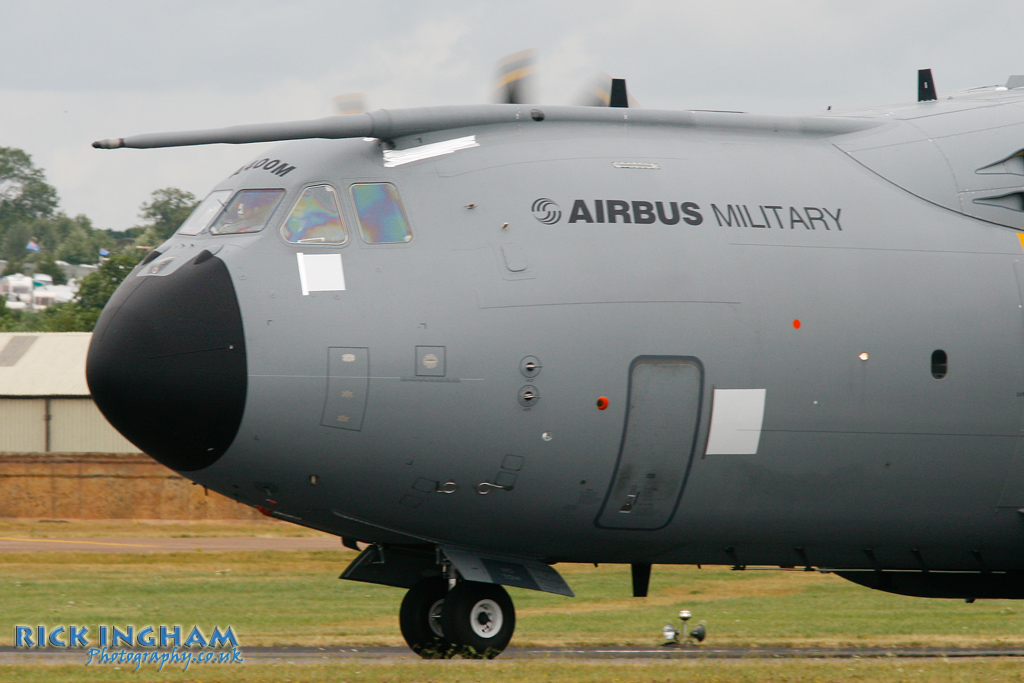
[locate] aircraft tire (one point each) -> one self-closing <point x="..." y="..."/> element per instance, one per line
<point x="479" y="619"/>
<point x="420" y="619"/>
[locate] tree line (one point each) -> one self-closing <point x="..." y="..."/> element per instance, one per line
<point x="35" y="234"/>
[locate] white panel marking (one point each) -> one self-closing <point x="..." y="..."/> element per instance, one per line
<point x="397" y="157"/>
<point x="320" y="273"/>
<point x="302" y="274"/>
<point x="736" y="418"/>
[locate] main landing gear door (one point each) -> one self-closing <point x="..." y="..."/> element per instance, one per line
<point x="657" y="443"/>
<point x="404" y="567"/>
<point x="506" y="571"/>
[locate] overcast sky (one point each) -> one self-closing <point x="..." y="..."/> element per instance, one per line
<point x="75" y="71"/>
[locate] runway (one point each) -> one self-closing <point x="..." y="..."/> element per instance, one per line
<point x="310" y="655"/>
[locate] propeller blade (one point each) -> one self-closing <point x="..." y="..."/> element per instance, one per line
<point x="515" y="81"/>
<point x="349" y="103"/>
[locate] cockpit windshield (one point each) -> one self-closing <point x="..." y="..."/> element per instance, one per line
<point x="204" y="213"/>
<point x="316" y="218"/>
<point x="380" y="213"/>
<point x="248" y="211"/>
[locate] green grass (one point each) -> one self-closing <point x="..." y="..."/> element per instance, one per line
<point x="508" y="671"/>
<point x="761" y="608"/>
<point x="270" y="597"/>
<point x="295" y="598"/>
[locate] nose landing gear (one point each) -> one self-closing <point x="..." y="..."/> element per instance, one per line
<point x="472" y="619"/>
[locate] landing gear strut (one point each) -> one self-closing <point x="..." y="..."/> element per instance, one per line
<point x="472" y="619"/>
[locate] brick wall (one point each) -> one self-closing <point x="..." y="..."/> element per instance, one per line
<point x="105" y="486"/>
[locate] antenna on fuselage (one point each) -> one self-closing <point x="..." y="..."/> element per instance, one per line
<point x="601" y="91"/>
<point x="619" y="97"/>
<point x="925" y="86"/>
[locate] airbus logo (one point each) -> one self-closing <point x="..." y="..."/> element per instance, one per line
<point x="778" y="216"/>
<point x="546" y="211"/>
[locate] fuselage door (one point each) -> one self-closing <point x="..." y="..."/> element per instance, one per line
<point x="657" y="442"/>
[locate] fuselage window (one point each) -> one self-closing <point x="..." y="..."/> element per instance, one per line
<point x="940" y="364"/>
<point x="381" y="216"/>
<point x="316" y="218"/>
<point x="248" y="211"/>
<point x="205" y="212"/>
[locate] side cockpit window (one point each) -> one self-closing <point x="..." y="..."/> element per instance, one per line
<point x="381" y="216"/>
<point x="316" y="218"/>
<point x="204" y="213"/>
<point x="248" y="211"/>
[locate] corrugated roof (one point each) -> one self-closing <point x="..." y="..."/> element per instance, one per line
<point x="43" y="364"/>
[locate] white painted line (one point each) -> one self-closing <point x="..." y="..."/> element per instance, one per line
<point x="397" y="157"/>
<point x="302" y="274"/>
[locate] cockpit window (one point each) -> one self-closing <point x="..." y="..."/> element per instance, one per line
<point x="204" y="213"/>
<point x="316" y="218"/>
<point x="248" y="211"/>
<point x="381" y="217"/>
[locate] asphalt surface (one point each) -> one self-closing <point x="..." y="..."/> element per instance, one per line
<point x="310" y="655"/>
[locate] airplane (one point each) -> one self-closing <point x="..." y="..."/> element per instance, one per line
<point x="478" y="341"/>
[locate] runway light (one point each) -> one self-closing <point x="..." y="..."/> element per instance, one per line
<point x="602" y="403"/>
<point x="688" y="636"/>
<point x="863" y="356"/>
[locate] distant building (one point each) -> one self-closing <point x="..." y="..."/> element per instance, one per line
<point x="36" y="292"/>
<point x="61" y="459"/>
<point x="45" y="405"/>
<point x="76" y="272"/>
<point x="17" y="287"/>
<point x="48" y="295"/>
<point x="71" y="270"/>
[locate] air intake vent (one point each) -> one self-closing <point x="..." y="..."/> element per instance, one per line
<point x="1012" y="164"/>
<point x="1013" y="201"/>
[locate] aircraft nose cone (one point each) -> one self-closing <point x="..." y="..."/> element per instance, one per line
<point x="167" y="363"/>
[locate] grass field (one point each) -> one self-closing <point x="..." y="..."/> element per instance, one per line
<point x="507" y="671"/>
<point x="279" y="598"/>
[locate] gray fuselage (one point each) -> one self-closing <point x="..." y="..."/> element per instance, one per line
<point x="828" y="299"/>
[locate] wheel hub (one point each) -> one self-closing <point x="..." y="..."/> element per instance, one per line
<point x="434" y="618"/>
<point x="486" y="618"/>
